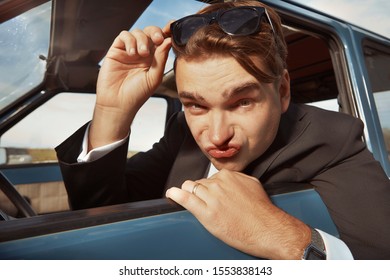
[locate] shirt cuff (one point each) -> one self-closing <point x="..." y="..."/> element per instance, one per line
<point x="96" y="153"/>
<point x="336" y="249"/>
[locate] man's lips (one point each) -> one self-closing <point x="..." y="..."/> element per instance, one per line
<point x="226" y="152"/>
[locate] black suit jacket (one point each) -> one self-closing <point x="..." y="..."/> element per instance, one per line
<point x="312" y="146"/>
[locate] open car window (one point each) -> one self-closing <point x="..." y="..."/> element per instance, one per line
<point x="34" y="138"/>
<point x="314" y="81"/>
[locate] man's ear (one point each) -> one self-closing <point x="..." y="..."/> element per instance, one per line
<point x="284" y="91"/>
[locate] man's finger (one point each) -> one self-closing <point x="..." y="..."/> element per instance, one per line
<point x="125" y="41"/>
<point x="155" y="33"/>
<point x="167" y="28"/>
<point x="186" y="199"/>
<point x="196" y="188"/>
<point x="144" y="42"/>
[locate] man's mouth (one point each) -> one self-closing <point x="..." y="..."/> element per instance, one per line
<point x="219" y="153"/>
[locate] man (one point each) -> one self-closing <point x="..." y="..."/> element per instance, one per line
<point x="238" y="133"/>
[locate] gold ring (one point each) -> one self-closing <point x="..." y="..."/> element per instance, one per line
<point x="194" y="189"/>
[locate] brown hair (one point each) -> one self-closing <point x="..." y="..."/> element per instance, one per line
<point x="265" y="46"/>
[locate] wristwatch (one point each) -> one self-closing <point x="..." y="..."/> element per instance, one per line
<point x="316" y="249"/>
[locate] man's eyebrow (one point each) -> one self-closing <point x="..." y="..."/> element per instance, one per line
<point x="236" y="90"/>
<point x="191" y="96"/>
<point x="240" y="89"/>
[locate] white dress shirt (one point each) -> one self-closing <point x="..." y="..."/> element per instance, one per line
<point x="336" y="249"/>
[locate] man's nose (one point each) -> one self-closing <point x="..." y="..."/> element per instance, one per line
<point x="220" y="129"/>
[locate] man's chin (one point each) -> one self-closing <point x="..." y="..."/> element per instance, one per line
<point x="228" y="164"/>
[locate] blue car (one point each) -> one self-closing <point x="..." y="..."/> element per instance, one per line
<point x="50" y="55"/>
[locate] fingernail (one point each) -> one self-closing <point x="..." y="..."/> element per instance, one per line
<point x="143" y="48"/>
<point x="132" y="51"/>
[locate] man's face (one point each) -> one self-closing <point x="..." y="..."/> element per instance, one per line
<point x="232" y="116"/>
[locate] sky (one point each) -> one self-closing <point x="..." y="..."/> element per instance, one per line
<point x="370" y="14"/>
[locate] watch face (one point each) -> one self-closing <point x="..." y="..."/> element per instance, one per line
<point x="313" y="253"/>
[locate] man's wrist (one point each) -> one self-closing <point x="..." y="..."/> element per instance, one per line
<point x="316" y="248"/>
<point x="97" y="153"/>
<point x="107" y="126"/>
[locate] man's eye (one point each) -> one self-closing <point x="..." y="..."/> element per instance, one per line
<point x="244" y="103"/>
<point x="194" y="108"/>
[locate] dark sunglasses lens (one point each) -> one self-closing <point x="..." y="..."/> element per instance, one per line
<point x="186" y="28"/>
<point x="240" y="21"/>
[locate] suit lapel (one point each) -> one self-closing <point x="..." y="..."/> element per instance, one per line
<point x="292" y="125"/>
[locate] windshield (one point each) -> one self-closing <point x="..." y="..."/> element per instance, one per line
<point x="24" y="44"/>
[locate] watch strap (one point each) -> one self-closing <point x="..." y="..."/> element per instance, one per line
<point x="316" y="248"/>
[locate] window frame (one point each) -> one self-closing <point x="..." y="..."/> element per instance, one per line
<point x="383" y="47"/>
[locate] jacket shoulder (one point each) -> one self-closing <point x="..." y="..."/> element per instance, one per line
<point x="331" y="123"/>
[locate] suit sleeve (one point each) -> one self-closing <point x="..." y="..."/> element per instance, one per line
<point x="356" y="191"/>
<point x="114" y="179"/>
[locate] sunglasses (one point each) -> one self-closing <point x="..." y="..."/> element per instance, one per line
<point x="238" y="21"/>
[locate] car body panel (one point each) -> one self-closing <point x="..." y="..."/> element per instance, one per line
<point x="175" y="235"/>
<point x="33" y="174"/>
